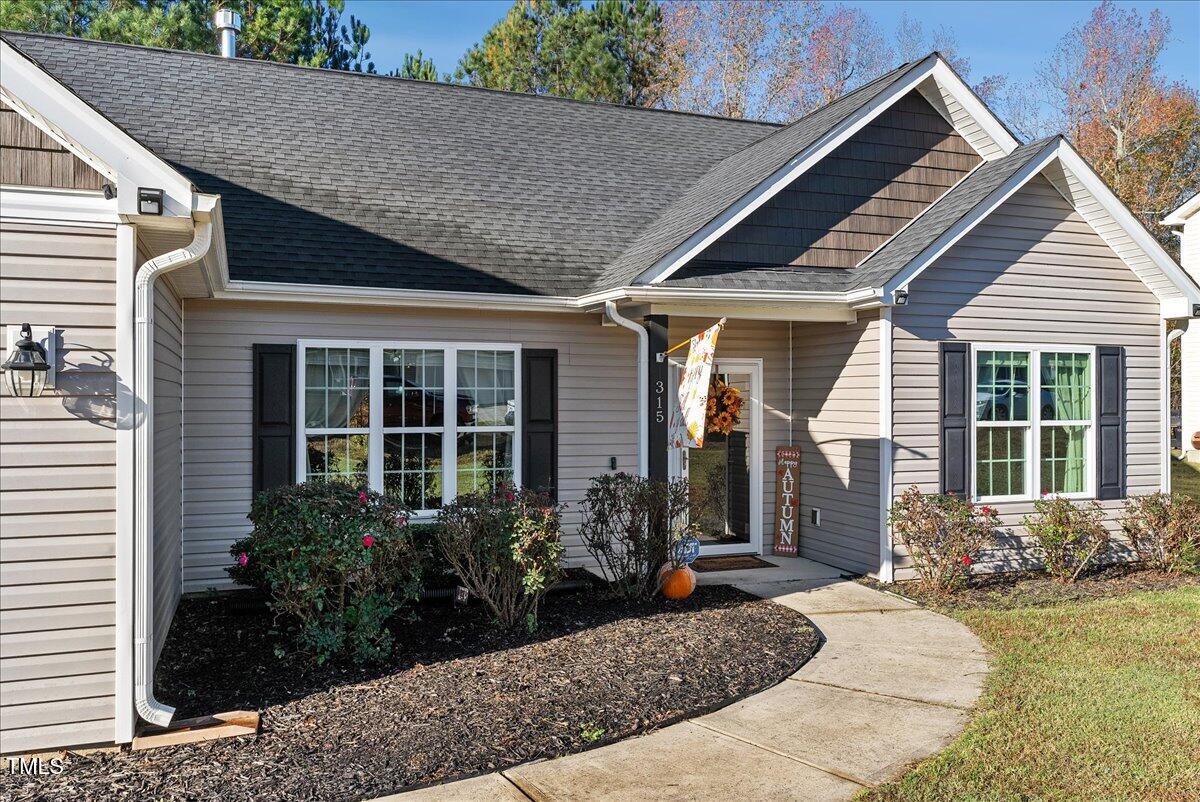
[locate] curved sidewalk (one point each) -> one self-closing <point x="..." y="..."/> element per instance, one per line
<point x="891" y="685"/>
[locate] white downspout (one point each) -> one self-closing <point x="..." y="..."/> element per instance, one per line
<point x="643" y="346"/>
<point x="1172" y="336"/>
<point x="148" y="707"/>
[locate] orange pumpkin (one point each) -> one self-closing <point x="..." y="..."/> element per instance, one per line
<point x="677" y="583"/>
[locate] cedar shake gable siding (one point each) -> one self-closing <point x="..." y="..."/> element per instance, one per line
<point x="853" y="200"/>
<point x="32" y="158"/>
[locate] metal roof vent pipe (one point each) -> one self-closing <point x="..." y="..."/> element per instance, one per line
<point x="227" y="24"/>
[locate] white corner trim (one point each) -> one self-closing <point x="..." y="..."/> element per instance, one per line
<point x="1164" y="409"/>
<point x="970" y="220"/>
<point x="91" y="136"/>
<point x="781" y="178"/>
<point x="1124" y="218"/>
<point x="125" y="422"/>
<point x="53" y="205"/>
<point x="886" y="568"/>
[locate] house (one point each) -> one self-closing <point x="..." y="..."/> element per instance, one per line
<point x="1188" y="220"/>
<point x="248" y="274"/>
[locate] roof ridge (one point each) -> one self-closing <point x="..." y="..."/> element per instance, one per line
<point x="5" y="33"/>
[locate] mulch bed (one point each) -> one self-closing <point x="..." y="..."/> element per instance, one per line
<point x="458" y="698"/>
<point x="1035" y="589"/>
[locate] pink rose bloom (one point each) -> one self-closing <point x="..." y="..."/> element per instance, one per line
<point x="362" y="497"/>
<point x="509" y="497"/>
<point x="243" y="559"/>
<point x="966" y="560"/>
<point x="368" y="541"/>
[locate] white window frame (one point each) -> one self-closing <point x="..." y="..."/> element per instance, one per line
<point x="1033" y="427"/>
<point x="376" y="430"/>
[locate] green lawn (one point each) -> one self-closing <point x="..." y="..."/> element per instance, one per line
<point x="1096" y="700"/>
<point x="1185" y="478"/>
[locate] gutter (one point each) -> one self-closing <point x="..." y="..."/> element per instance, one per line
<point x="147" y="706"/>
<point x="643" y="362"/>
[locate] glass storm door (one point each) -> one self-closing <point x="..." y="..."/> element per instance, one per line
<point x="725" y="475"/>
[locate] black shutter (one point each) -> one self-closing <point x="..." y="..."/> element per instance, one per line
<point x="954" y="414"/>
<point x="539" y="420"/>
<point x="1110" y="426"/>
<point x="274" y="426"/>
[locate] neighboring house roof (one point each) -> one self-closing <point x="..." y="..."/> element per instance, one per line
<point x="339" y="178"/>
<point x="1185" y="211"/>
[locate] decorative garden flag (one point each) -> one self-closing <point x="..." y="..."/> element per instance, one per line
<point x="688" y="418"/>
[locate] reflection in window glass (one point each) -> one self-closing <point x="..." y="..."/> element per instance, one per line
<point x="413" y="388"/>
<point x="337" y="388"/>
<point x="484" y="461"/>
<point x="1002" y="386"/>
<point x="486" y="382"/>
<point x="412" y="469"/>
<point x="337" y="457"/>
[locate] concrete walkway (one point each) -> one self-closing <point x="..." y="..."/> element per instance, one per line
<point x="891" y="685"/>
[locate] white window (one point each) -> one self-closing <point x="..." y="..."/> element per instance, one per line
<point x="420" y="421"/>
<point x="1034" y="414"/>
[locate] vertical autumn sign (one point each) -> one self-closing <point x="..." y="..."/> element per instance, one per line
<point x="787" y="501"/>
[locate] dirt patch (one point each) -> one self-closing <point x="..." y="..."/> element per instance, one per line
<point x="1035" y="589"/>
<point x="458" y="698"/>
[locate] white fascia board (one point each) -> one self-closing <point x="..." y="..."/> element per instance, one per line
<point x="1181" y="215"/>
<point x="1130" y="224"/>
<point x="781" y="178"/>
<point x="50" y="105"/>
<point x="989" y="122"/>
<point x="55" y="205"/>
<point x="969" y="221"/>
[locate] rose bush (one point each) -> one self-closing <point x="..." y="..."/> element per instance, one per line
<point x="335" y="564"/>
<point x="944" y="535"/>
<point x="1165" y="531"/>
<point x="1069" y="537"/>
<point x="506" y="547"/>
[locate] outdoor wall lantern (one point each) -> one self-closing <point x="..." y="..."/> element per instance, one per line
<point x="26" y="366"/>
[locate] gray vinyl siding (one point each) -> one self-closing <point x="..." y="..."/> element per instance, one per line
<point x="1033" y="273"/>
<point x="168" y="459"/>
<point x="57" y="495"/>
<point x="755" y="339"/>
<point x="597" y="401"/>
<point x="836" y="385"/>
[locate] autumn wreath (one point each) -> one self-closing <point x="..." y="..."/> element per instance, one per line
<point x="724" y="407"/>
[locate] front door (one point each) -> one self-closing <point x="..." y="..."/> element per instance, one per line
<point x="725" y="475"/>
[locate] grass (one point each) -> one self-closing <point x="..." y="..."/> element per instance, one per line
<point x="1095" y="700"/>
<point x="1185" y="478"/>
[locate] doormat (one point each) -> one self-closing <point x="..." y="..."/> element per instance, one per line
<point x="738" y="562"/>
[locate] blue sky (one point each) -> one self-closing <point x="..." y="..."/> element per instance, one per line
<point x="997" y="37"/>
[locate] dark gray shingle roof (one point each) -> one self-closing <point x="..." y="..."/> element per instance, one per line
<point x="339" y="178"/>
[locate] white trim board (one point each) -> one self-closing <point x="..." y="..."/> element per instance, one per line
<point x="931" y="68"/>
<point x="54" y="205"/>
<point x="91" y="136"/>
<point x="1060" y="152"/>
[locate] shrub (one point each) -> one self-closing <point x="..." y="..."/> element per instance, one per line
<point x="335" y="564"/>
<point x="506" y="547"/>
<point x="631" y="526"/>
<point x="943" y="534"/>
<point x="1165" y="531"/>
<point x="1069" y="536"/>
